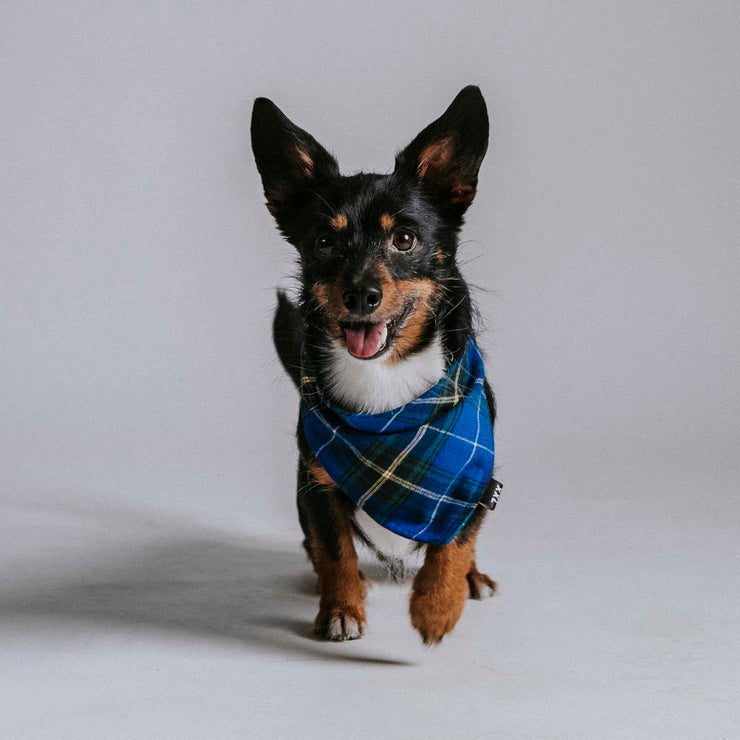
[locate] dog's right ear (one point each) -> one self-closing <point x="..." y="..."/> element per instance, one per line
<point x="289" y="160"/>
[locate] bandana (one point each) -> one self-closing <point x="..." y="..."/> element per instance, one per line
<point x="418" y="470"/>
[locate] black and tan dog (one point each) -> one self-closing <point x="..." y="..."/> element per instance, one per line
<point x="383" y="312"/>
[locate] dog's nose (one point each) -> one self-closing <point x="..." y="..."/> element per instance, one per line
<point x="362" y="299"/>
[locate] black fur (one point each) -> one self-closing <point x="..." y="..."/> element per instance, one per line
<point x="288" y="330"/>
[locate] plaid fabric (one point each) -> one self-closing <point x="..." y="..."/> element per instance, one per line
<point x="418" y="470"/>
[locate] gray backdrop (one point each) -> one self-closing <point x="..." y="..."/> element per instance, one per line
<point x="139" y="263"/>
<point x="138" y="268"/>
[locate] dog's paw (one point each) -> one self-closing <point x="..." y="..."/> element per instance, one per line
<point x="435" y="612"/>
<point x="480" y="585"/>
<point x="340" y="623"/>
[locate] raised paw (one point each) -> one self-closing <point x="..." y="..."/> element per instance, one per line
<point x="480" y="585"/>
<point x="340" y="623"/>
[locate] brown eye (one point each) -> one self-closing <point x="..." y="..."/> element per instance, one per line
<point x="403" y="240"/>
<point x="325" y="245"/>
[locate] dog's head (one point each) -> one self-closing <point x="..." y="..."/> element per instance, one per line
<point x="377" y="252"/>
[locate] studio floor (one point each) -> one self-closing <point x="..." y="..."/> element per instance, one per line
<point x="617" y="617"/>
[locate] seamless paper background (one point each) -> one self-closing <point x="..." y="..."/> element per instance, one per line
<point x="150" y="546"/>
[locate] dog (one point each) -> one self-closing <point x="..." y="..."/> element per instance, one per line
<point x="384" y="323"/>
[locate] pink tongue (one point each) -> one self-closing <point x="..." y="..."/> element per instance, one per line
<point x="365" y="340"/>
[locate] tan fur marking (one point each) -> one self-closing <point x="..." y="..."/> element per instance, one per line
<point x="303" y="167"/>
<point x="425" y="296"/>
<point x="439" y="257"/>
<point x="387" y="221"/>
<point x="440" y="173"/>
<point x="320" y="292"/>
<point x="440" y="589"/>
<point x="339" y="222"/>
<point x="410" y="335"/>
<point x="463" y="194"/>
<point x="318" y="473"/>
<point x="436" y="157"/>
<point x="304" y="162"/>
<point x="329" y="298"/>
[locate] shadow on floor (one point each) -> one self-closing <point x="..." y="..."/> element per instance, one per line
<point x="230" y="589"/>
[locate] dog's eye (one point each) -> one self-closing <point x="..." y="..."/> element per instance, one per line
<point x="325" y="245"/>
<point x="403" y="240"/>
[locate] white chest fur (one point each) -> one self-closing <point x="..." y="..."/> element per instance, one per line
<point x="374" y="386"/>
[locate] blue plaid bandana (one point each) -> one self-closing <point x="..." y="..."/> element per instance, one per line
<point x="418" y="470"/>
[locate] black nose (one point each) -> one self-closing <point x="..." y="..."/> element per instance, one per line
<point x="362" y="299"/>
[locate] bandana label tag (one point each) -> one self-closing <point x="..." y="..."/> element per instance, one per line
<point x="491" y="495"/>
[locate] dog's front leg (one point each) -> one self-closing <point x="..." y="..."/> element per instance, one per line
<point x="440" y="589"/>
<point x="331" y="549"/>
<point x="341" y="590"/>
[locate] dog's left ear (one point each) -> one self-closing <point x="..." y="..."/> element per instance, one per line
<point x="446" y="156"/>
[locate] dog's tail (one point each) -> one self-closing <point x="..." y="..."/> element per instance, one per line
<point x="287" y="333"/>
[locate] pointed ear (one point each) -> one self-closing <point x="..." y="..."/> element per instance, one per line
<point x="289" y="160"/>
<point x="446" y="156"/>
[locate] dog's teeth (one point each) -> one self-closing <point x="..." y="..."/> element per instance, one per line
<point x="384" y="336"/>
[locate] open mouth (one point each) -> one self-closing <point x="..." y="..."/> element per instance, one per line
<point x="369" y="340"/>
